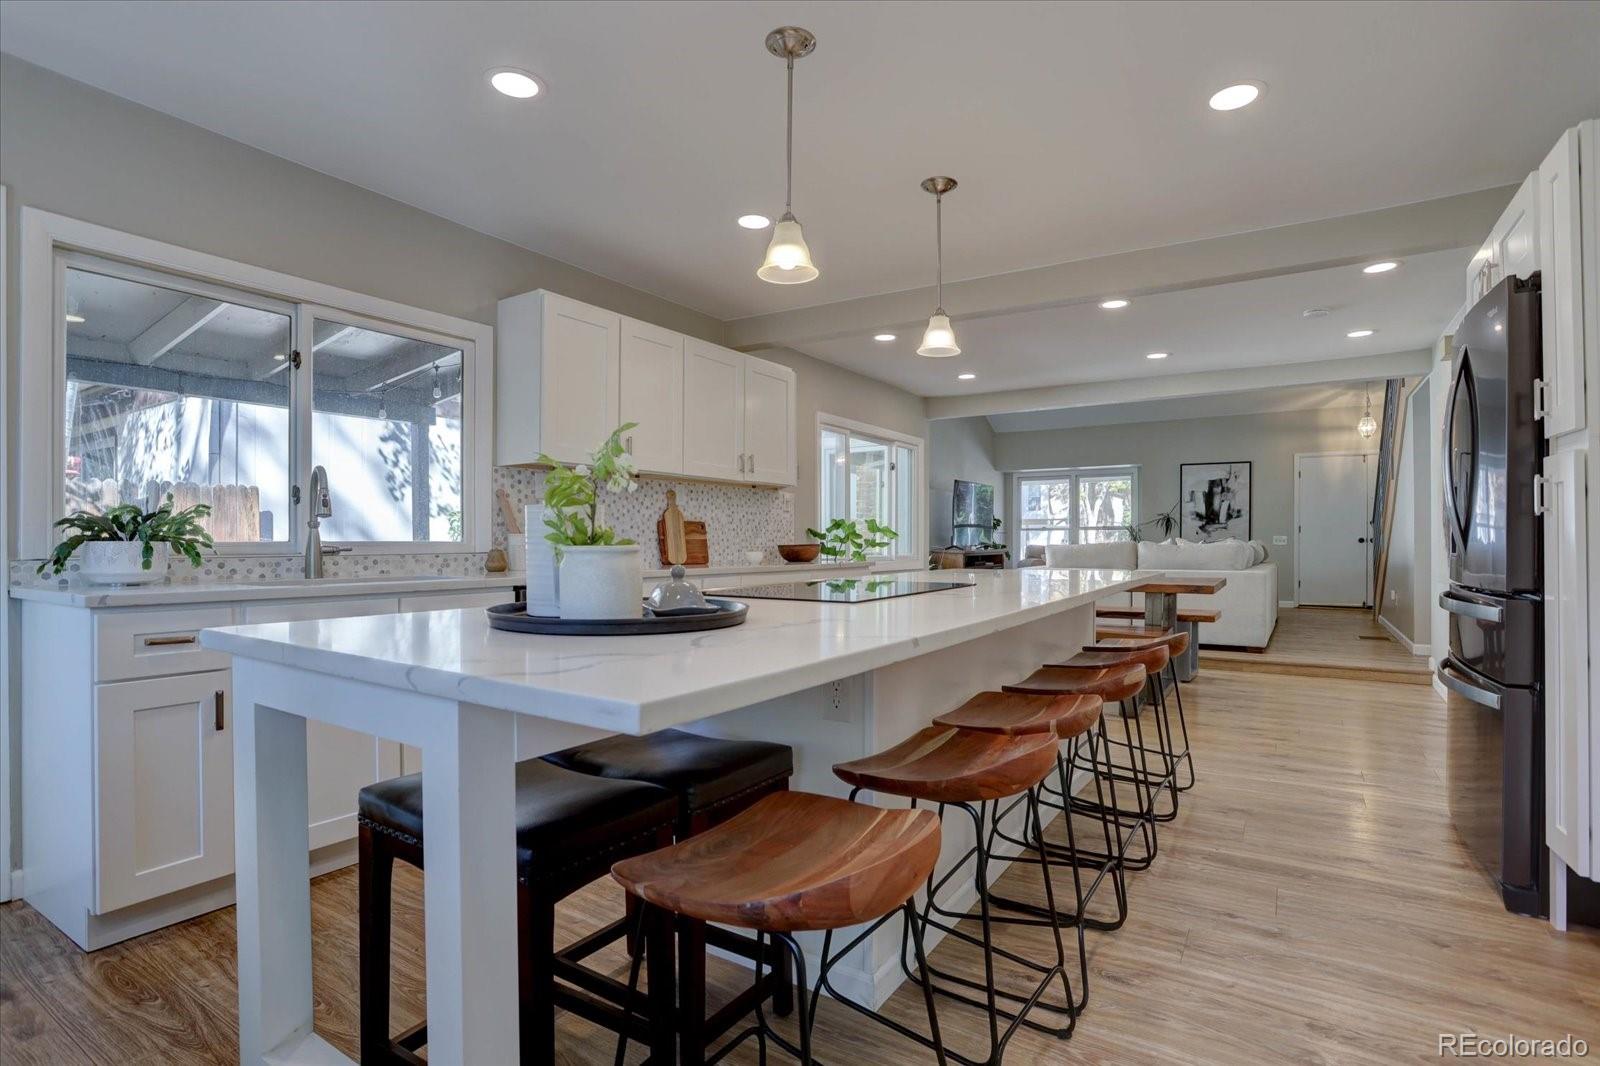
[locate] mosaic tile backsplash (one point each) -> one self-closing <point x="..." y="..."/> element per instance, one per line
<point x="738" y="519"/>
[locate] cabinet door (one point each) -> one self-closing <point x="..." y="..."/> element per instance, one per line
<point x="1561" y="292"/>
<point x="713" y="411"/>
<point x="652" y="395"/>
<point x="164" y="786"/>
<point x="339" y="762"/>
<point x="578" y="377"/>
<point x="769" y="422"/>
<point x="1566" y="668"/>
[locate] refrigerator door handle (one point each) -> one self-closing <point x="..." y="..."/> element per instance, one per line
<point x="1483" y="612"/>
<point x="1462" y="687"/>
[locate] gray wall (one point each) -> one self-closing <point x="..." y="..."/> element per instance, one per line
<point x="959" y="448"/>
<point x="845" y="394"/>
<point x="1268" y="441"/>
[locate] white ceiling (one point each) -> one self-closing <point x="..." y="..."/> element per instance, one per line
<point x="1076" y="130"/>
<point x="1219" y="327"/>
<point x="1216" y="405"/>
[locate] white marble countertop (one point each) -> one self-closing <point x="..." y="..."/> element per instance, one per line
<point x="174" y="592"/>
<point x="642" y="684"/>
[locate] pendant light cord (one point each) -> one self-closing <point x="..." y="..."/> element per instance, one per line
<point x="788" y="179"/>
<point x="938" y="240"/>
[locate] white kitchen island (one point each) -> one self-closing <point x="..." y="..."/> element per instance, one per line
<point x="835" y="681"/>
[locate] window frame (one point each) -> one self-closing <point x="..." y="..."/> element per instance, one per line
<point x="909" y="547"/>
<point x="49" y="241"/>
<point x="1073" y="474"/>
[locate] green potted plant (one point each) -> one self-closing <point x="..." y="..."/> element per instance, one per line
<point x="845" y="539"/>
<point x="600" y="573"/>
<point x="128" y="545"/>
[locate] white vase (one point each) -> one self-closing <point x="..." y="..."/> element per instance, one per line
<point x="121" y="562"/>
<point x="602" y="581"/>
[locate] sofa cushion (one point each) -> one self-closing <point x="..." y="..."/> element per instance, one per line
<point x="1219" y="555"/>
<point x="1115" y="555"/>
<point x="1260" y="550"/>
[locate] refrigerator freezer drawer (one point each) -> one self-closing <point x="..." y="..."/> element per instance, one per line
<point x="1498" y="637"/>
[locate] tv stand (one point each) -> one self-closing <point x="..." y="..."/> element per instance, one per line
<point x="970" y="559"/>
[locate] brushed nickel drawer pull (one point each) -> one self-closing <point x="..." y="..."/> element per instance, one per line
<point x="160" y="642"/>
<point x="218" y="703"/>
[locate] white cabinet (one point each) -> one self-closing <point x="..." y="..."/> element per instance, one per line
<point x="651" y="394"/>
<point x="1512" y="249"/>
<point x="713" y="411"/>
<point x="163" y="786"/>
<point x="1560" y="216"/>
<point x="769" y="430"/>
<point x="1566" y="667"/>
<point x="566" y="374"/>
<point x="556" y="374"/>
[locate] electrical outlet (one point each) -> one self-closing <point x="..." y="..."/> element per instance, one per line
<point x="1394" y="596"/>
<point x="1280" y="541"/>
<point x="836" y="711"/>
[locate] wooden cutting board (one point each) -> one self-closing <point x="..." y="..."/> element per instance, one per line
<point x="697" y="549"/>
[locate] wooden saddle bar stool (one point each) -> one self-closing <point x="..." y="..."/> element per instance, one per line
<point x="796" y="862"/>
<point x="969" y="771"/>
<point x="713" y="780"/>
<point x="571" y="828"/>
<point x="1178" y="642"/>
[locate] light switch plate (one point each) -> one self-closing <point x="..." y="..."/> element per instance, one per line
<point x="1279" y="541"/>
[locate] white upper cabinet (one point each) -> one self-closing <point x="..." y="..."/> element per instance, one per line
<point x="713" y="411"/>
<point x="1512" y="249"/>
<point x="652" y="395"/>
<point x="769" y="430"/>
<point x="1560" y="215"/>
<point x="557" y="367"/>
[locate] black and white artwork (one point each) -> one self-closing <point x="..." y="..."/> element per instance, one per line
<point x="1215" y="501"/>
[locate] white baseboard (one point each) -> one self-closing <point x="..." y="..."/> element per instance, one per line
<point x="1288" y="603"/>
<point x="1414" y="649"/>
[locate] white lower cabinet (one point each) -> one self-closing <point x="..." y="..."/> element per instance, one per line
<point x="163" y="786"/>
<point x="1566" y="657"/>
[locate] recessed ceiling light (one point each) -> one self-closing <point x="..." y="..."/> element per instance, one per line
<point x="76" y="319"/>
<point x="965" y="377"/>
<point x="884" y="337"/>
<point x="1357" y="334"/>
<point x="518" y="84"/>
<point x="1380" y="268"/>
<point x="1158" y="355"/>
<point x="754" y="221"/>
<point x="1236" y="96"/>
<point x="1113" y="305"/>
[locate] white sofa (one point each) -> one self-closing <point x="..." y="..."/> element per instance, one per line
<point x="1248" y="602"/>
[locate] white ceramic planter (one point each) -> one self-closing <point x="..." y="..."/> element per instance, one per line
<point x="601" y="581"/>
<point x="121" y="562"/>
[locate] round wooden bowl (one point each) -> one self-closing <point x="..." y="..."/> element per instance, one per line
<point x="799" y="553"/>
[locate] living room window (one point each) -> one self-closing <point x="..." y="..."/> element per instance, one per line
<point x="866" y="472"/>
<point x="1083" y="506"/>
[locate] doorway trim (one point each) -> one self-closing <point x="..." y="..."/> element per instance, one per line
<point x="1366" y="593"/>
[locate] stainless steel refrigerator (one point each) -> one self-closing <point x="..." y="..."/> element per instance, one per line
<point x="1494" y="670"/>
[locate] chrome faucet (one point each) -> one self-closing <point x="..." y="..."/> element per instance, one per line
<point x="321" y="507"/>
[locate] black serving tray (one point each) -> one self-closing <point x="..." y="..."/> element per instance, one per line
<point x="513" y="618"/>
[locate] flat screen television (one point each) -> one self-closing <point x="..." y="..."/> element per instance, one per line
<point x="972" y="519"/>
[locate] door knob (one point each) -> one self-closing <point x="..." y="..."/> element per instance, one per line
<point x="1361" y="540"/>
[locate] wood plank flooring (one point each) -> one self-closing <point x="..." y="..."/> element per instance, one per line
<point x="1327" y="642"/>
<point x="1310" y="904"/>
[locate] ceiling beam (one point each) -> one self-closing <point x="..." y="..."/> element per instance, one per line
<point x="1396" y="232"/>
<point x="172" y="328"/>
<point x="1174" y="386"/>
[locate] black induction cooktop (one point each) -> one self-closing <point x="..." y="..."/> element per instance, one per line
<point x="842" y="590"/>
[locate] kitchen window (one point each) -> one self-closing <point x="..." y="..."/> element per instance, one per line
<point x="176" y="379"/>
<point x="865" y="472"/>
<point x="1087" y="506"/>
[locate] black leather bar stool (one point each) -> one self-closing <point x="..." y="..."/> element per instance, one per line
<point x="713" y="780"/>
<point x="571" y="829"/>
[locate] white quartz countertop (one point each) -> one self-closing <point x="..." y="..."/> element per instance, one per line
<point x="642" y="684"/>
<point x="173" y="592"/>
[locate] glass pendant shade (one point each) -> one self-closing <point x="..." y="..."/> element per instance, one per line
<point x="788" y="259"/>
<point x="939" y="342"/>
<point x="1367" y="426"/>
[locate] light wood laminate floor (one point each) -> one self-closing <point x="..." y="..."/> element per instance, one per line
<point x="1329" y="642"/>
<point x="1310" y="904"/>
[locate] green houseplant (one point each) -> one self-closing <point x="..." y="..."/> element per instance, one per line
<point x="844" y="539"/>
<point x="128" y="545"/>
<point x="600" y="572"/>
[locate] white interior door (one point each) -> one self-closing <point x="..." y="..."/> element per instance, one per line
<point x="1333" y="508"/>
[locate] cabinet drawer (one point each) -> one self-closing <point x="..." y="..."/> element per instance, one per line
<point x="133" y="644"/>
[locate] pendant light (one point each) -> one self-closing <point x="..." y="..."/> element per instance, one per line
<point x="939" y="342"/>
<point x="788" y="259"/>
<point x="1368" y="425"/>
